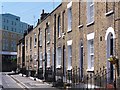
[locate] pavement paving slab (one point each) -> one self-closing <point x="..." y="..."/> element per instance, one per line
<point x="29" y="83"/>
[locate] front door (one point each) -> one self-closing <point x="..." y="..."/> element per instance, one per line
<point x="81" y="61"/>
<point x="110" y="50"/>
<point x="64" y="64"/>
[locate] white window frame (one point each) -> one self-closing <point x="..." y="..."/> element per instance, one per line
<point x="90" y="38"/>
<point x="90" y="12"/>
<point x="69" y="45"/>
<point x="69" y="57"/>
<point x="30" y="43"/>
<point x="69" y="7"/>
<point x="48" y="35"/>
<point x="40" y="39"/>
<point x="48" y="58"/>
<point x="35" y="40"/>
<point x="59" y="57"/>
<point x="40" y="59"/>
<point x="59" y="26"/>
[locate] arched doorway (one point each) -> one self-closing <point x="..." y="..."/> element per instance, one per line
<point x="110" y="35"/>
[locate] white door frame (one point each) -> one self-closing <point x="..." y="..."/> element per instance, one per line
<point x="109" y="32"/>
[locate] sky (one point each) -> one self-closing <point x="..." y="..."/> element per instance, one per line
<point x="29" y="12"/>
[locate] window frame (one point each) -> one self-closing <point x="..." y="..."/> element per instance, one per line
<point x="90" y="12"/>
<point x="48" y="34"/>
<point x="59" y="26"/>
<point x="69" y="19"/>
<point x="48" y="58"/>
<point x="59" y="57"/>
<point x="35" y="39"/>
<point x="40" y="59"/>
<point x="91" y="55"/>
<point x="40" y="39"/>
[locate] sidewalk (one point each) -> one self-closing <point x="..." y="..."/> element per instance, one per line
<point x="30" y="83"/>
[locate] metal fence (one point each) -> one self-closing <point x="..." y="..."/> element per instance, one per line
<point x="75" y="78"/>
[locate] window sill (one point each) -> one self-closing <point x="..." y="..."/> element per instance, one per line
<point x="109" y="13"/>
<point x="91" y="23"/>
<point x="59" y="37"/>
<point x="34" y="46"/>
<point x="69" y="5"/>
<point x="48" y="42"/>
<point x="59" y="67"/>
<point x="90" y="70"/>
<point x="48" y="66"/>
<point x="80" y="26"/>
<point x="69" y="31"/>
<point x="40" y="67"/>
<point x="69" y="68"/>
<point x="40" y="46"/>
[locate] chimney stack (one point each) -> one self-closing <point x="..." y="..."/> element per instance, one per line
<point x="43" y="15"/>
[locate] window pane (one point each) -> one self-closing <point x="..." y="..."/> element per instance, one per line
<point x="92" y="60"/>
<point x="69" y="19"/>
<point x="69" y="56"/>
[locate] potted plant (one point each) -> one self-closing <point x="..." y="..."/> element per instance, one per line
<point x="113" y="59"/>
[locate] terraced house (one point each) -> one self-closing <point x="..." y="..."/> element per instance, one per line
<point x="74" y="41"/>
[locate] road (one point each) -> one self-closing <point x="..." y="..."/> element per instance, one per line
<point x="9" y="83"/>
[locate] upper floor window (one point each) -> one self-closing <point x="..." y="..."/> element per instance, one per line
<point x="4" y="20"/>
<point x="5" y="44"/>
<point x="7" y="21"/>
<point x="12" y="22"/>
<point x="11" y="29"/>
<point x="7" y="27"/>
<point x="35" y="40"/>
<point x="90" y="11"/>
<point x="69" y="19"/>
<point x="59" y="27"/>
<point x="109" y="7"/>
<point x="30" y="42"/>
<point x="40" y="39"/>
<point x="26" y="44"/>
<point x="4" y="27"/>
<point x="48" y="34"/>
<point x="63" y="21"/>
<point x="15" y="23"/>
<point x="13" y="45"/>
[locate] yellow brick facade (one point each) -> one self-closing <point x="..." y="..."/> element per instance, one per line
<point x="106" y="21"/>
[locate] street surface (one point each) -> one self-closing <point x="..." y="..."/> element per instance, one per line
<point x="17" y="81"/>
<point x="8" y="83"/>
